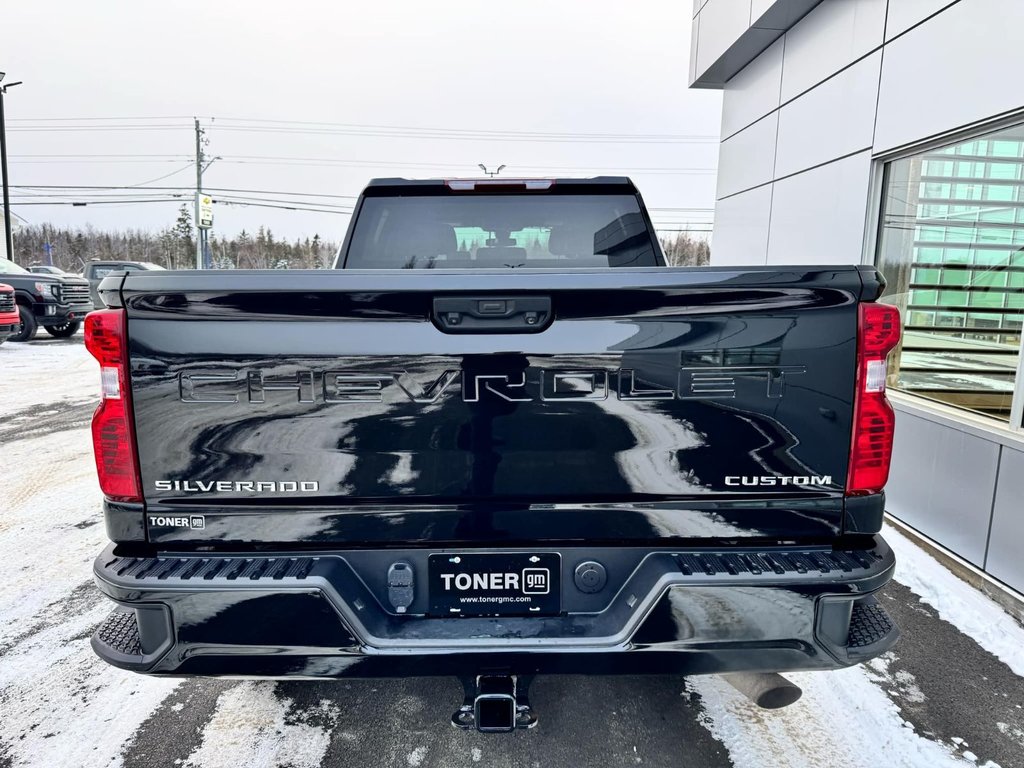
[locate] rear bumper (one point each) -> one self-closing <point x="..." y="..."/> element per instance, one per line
<point x="696" y="611"/>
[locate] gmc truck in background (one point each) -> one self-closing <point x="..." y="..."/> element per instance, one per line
<point x="501" y="439"/>
<point x="57" y="303"/>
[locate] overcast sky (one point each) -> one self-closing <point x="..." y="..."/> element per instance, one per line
<point x="571" y="67"/>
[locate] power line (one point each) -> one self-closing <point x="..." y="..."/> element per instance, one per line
<point x="296" y="206"/>
<point x="92" y="154"/>
<point x="436" y="129"/>
<point x="93" y="128"/>
<point x="86" y="119"/>
<point x="111" y="161"/>
<point x="95" y="202"/>
<point x="227" y="198"/>
<point x="385" y="132"/>
<point x="113" y="187"/>
<point x="279" y="192"/>
<point x="241" y="195"/>
<point x="289" y="160"/>
<point x="160" y="178"/>
<point x="275" y="125"/>
<point x="281" y="207"/>
<point x="578" y="139"/>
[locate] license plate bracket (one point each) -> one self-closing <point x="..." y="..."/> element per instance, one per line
<point x="495" y="584"/>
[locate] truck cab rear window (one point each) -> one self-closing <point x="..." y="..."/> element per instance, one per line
<point x="500" y="232"/>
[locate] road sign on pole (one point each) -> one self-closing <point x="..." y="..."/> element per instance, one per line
<point x="204" y="206"/>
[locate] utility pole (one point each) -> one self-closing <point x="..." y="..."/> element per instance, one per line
<point x="200" y="233"/>
<point x="8" y="232"/>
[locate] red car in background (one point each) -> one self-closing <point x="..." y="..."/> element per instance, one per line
<point x="10" y="322"/>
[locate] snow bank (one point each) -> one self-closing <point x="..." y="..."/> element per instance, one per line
<point x="958" y="602"/>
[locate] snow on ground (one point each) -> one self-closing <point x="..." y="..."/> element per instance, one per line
<point x="874" y="733"/>
<point x="843" y="719"/>
<point x="958" y="602"/>
<point x="61" y="706"/>
<point x="253" y="728"/>
<point x="44" y="371"/>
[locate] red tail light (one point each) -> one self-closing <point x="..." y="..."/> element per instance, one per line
<point x="113" y="427"/>
<point x="878" y="333"/>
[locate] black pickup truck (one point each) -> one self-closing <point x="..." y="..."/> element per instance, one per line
<point x="57" y="303"/>
<point x="501" y="440"/>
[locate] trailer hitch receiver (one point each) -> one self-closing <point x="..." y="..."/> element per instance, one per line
<point x="495" y="704"/>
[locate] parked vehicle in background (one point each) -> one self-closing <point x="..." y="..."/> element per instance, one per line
<point x="58" y="303"/>
<point x="46" y="269"/>
<point x="10" y="322"/>
<point x="500" y="439"/>
<point x="95" y="271"/>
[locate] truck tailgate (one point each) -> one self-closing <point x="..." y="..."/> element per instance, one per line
<point x="353" y="406"/>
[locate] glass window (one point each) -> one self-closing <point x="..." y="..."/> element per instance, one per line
<point x="952" y="250"/>
<point x="501" y="231"/>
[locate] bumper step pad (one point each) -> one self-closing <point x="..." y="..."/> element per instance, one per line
<point x="133" y="638"/>
<point x="855" y="631"/>
<point x="120" y="632"/>
<point x="869" y="624"/>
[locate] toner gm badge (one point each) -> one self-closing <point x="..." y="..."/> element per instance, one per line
<point x="192" y="522"/>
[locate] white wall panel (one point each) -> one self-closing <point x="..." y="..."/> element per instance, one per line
<point x="741" y="228"/>
<point x="754" y="92"/>
<point x="818" y="215"/>
<point x="830" y="37"/>
<point x="834" y="119"/>
<point x="954" y="70"/>
<point x="748" y="158"/>
<point x="1005" y="544"/>
<point x="942" y="483"/>
<point x="694" y="43"/>
<point x="721" y="23"/>
<point x="758" y="7"/>
<point x="903" y="14"/>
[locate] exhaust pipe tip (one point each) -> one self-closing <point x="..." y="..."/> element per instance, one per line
<point x="769" y="690"/>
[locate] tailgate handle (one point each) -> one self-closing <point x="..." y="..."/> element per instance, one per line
<point x="492" y="314"/>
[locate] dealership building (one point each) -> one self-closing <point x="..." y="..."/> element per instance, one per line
<point x="891" y="132"/>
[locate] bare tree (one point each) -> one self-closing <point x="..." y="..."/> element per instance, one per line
<point x="172" y="247"/>
<point x="684" y="250"/>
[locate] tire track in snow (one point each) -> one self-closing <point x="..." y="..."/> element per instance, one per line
<point x="40" y="420"/>
<point x="171" y="733"/>
<point x="253" y="727"/>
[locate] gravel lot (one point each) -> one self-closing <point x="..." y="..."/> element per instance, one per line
<point x="950" y="695"/>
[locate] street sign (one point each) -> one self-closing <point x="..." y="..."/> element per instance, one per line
<point x="204" y="208"/>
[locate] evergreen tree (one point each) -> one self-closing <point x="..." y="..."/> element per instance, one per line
<point x="185" y="247"/>
<point x="172" y="247"/>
